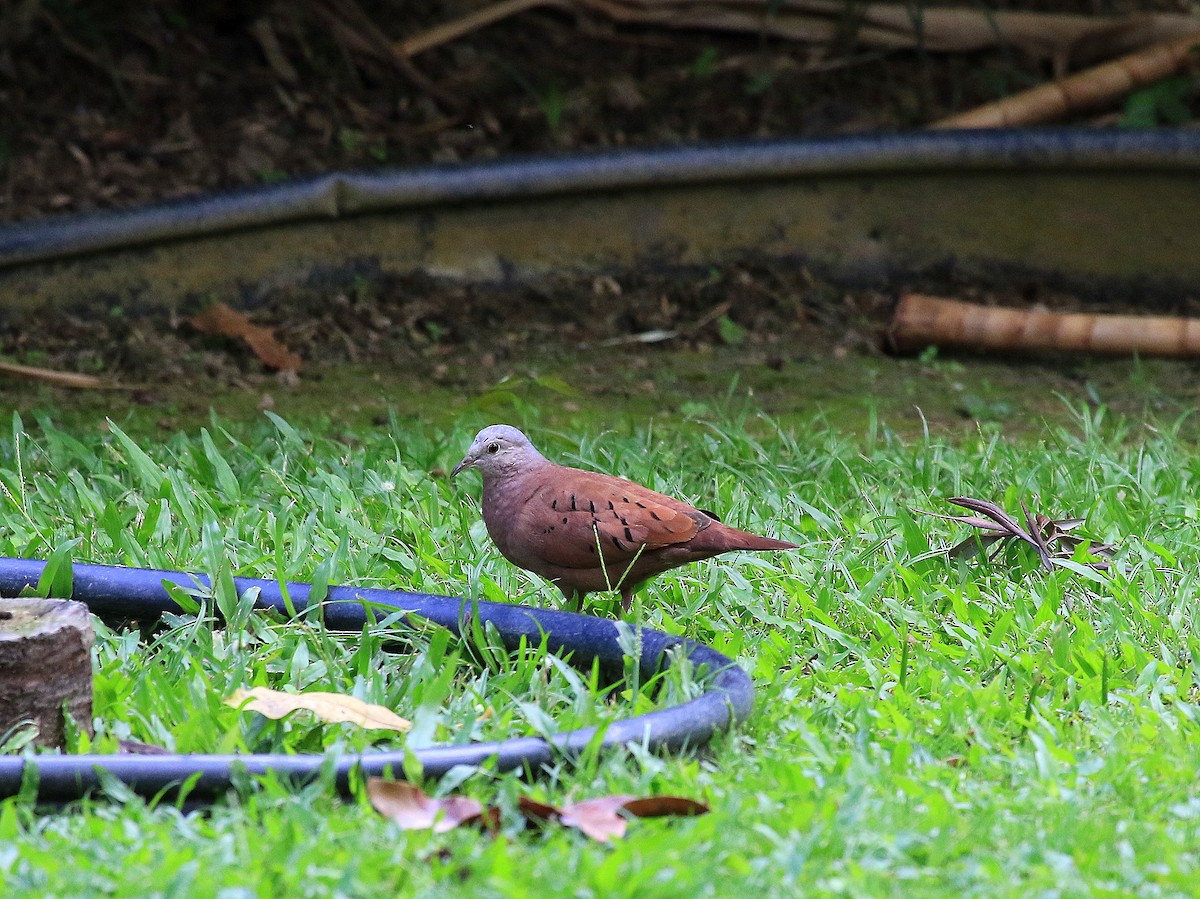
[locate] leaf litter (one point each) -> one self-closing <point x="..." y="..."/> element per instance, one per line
<point x="603" y="818"/>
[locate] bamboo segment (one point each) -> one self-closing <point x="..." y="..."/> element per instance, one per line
<point x="1084" y="90"/>
<point x="922" y="321"/>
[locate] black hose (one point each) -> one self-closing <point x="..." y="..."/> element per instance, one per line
<point x="117" y="594"/>
<point x="346" y="194"/>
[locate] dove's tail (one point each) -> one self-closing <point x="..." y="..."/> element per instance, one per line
<point x="723" y="538"/>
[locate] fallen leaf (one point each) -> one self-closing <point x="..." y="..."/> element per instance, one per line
<point x="600" y="819"/>
<point x="332" y="707"/>
<point x="607" y="817"/>
<point x="532" y="809"/>
<point x="408" y="806"/>
<point x="221" y="319"/>
<point x="665" y="806"/>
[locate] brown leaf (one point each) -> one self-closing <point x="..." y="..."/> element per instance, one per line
<point x="532" y="809"/>
<point x="1041" y="532"/>
<point x="332" y="707"/>
<point x="599" y="818"/>
<point x="666" y="806"/>
<point x="994" y="512"/>
<point x="1036" y="537"/>
<point x="408" y="806"/>
<point x="221" y="319"/>
<point x="602" y="818"/>
<point x="984" y="524"/>
<point x="973" y="545"/>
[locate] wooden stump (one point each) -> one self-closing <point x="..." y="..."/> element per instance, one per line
<point x="45" y="667"/>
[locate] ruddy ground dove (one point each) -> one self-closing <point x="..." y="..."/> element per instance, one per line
<point x="587" y="531"/>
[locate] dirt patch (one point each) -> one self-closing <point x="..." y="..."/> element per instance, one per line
<point x="112" y="105"/>
<point x="115" y="104"/>
<point x="470" y="334"/>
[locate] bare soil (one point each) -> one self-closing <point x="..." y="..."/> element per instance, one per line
<point x="117" y="104"/>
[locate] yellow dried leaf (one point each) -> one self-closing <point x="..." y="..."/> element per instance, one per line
<point x="332" y="707"/>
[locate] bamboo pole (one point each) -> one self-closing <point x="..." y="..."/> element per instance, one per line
<point x="922" y="321"/>
<point x="1085" y="90"/>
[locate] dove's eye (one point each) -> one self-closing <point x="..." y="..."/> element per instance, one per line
<point x="493" y="447"/>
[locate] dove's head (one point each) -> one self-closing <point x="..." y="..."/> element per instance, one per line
<point x="499" y="449"/>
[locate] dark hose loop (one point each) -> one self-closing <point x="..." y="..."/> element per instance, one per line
<point x="123" y="594"/>
<point x="346" y="194"/>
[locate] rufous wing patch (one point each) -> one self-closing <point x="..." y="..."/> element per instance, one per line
<point x="588" y="517"/>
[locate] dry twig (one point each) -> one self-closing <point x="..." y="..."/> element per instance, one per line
<point x="57" y="378"/>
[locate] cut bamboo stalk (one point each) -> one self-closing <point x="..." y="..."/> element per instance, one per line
<point x="1085" y="90"/>
<point x="45" y="668"/>
<point x="921" y="321"/>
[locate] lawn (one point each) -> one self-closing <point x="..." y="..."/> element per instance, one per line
<point x="922" y="726"/>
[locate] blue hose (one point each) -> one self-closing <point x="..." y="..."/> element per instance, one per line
<point x="116" y="594"/>
<point x="338" y="195"/>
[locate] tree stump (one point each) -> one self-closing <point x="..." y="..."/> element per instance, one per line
<point x="45" y="667"/>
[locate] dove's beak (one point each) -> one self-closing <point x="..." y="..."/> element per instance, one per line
<point x="467" y="462"/>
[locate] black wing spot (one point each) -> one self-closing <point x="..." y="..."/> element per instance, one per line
<point x="624" y="499"/>
<point x="573" y="509"/>
<point x="654" y="515"/>
<point x="713" y="515"/>
<point x="564" y="519"/>
<point x="628" y="535"/>
<point x="591" y="507"/>
<point x="554" y="505"/>
<point x="610" y="505"/>
<point x="616" y="542"/>
<point x="640" y="505"/>
<point x="623" y="521"/>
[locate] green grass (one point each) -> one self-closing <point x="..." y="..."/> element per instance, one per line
<point x="921" y="727"/>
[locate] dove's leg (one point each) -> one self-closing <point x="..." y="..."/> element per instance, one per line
<point x="627" y="598"/>
<point x="573" y="597"/>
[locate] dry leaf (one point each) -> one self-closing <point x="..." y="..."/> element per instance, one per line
<point x="332" y="707"/>
<point x="600" y="819"/>
<point x="406" y="804"/>
<point x="1041" y="532"/>
<point x="221" y="319"/>
<point x="532" y="809"/>
<point x="665" y="806"/>
<point x="607" y="817"/>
